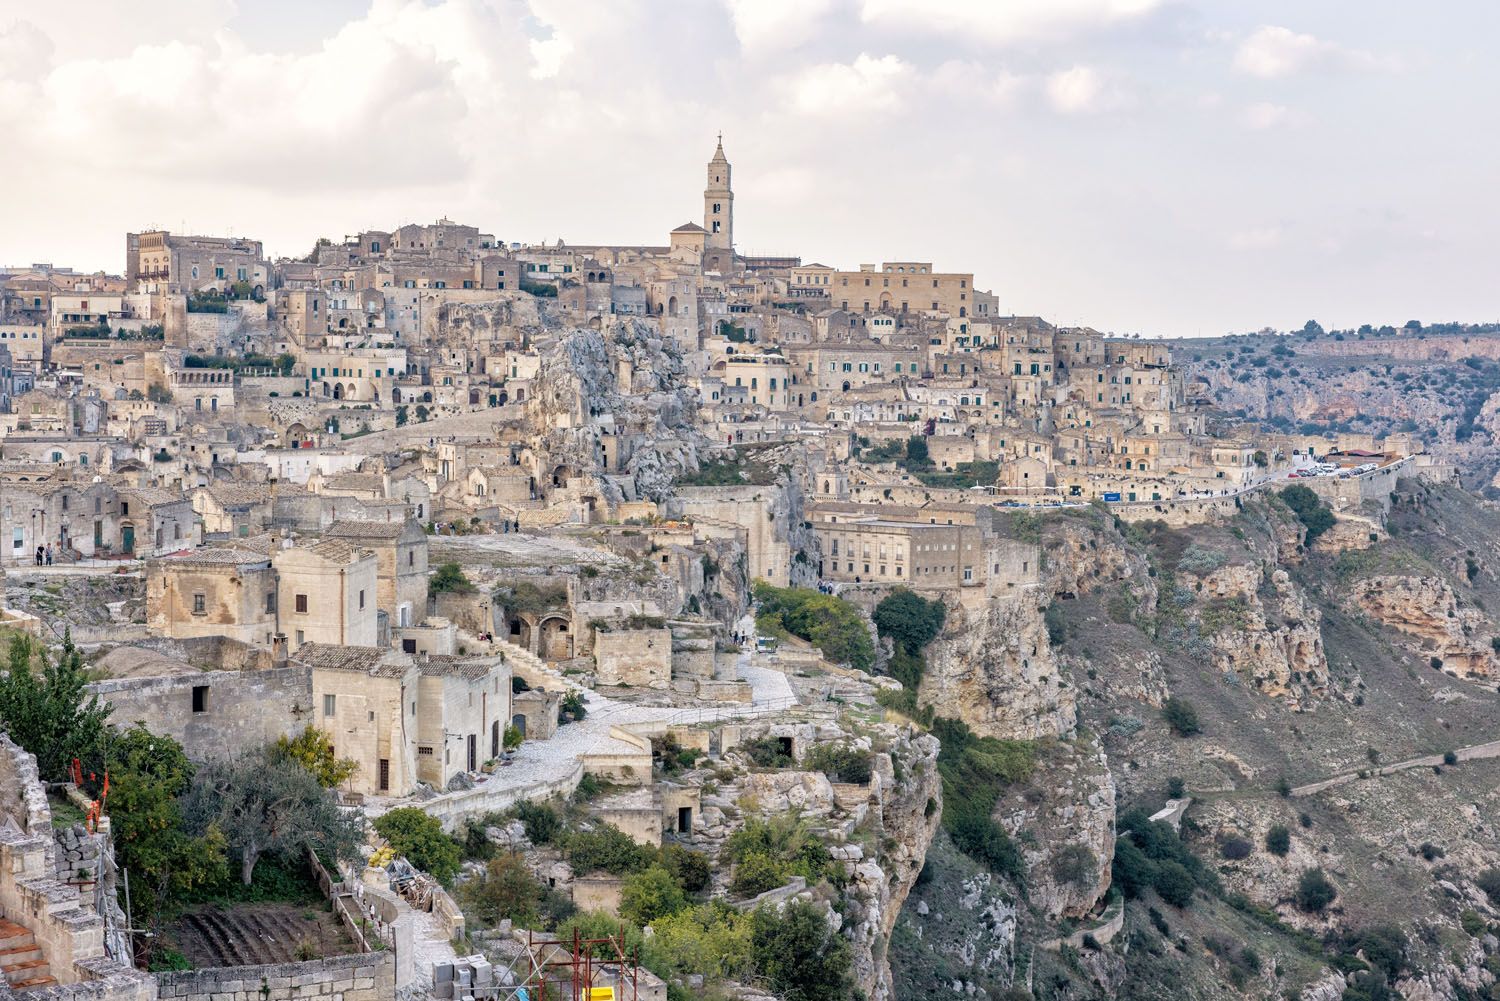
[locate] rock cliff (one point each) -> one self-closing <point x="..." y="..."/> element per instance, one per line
<point x="1426" y="612"/>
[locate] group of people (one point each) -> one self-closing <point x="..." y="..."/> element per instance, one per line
<point x="44" y="556"/>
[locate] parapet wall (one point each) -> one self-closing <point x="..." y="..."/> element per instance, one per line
<point x="69" y="936"/>
<point x="360" y="977"/>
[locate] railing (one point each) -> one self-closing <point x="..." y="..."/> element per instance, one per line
<point x="714" y="714"/>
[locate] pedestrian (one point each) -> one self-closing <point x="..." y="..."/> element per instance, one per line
<point x="49" y="555"/>
<point x="38" y="555"/>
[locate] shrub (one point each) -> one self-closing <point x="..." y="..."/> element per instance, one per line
<point x="828" y="622"/>
<point x="1284" y="786"/>
<point x="1056" y="623"/>
<point x="606" y="849"/>
<point x="449" y="577"/>
<point x="1235" y="848"/>
<point x="1315" y="516"/>
<point x="756" y="872"/>
<point x="1278" y="840"/>
<point x="1430" y="851"/>
<point x="1489" y="882"/>
<point x="1473" y="925"/>
<point x="841" y="763"/>
<point x="712" y="940"/>
<point x="1450" y="758"/>
<point x="506" y="890"/>
<point x="689" y="868"/>
<point x="420" y="838"/>
<point x="1314" y="892"/>
<point x="768" y="752"/>
<point x="910" y="620"/>
<point x="800" y="957"/>
<point x="1174" y="884"/>
<point x="649" y="895"/>
<point x="1201" y="560"/>
<point x="1075" y="865"/>
<point x="1176" y="788"/>
<point x="1181" y="716"/>
<point x="513" y="738"/>
<point x="540" y="820"/>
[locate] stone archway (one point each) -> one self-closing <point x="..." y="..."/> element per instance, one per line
<point x="555" y="638"/>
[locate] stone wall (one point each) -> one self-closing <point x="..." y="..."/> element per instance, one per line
<point x="241" y="709"/>
<point x="637" y="657"/>
<point x="69" y="936"/>
<point x="359" y="977"/>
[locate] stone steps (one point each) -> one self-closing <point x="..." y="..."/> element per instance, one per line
<point x="20" y="960"/>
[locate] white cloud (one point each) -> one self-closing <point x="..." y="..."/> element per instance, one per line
<point x="1272" y="51"/>
<point x="1083" y="90"/>
<point x="1265" y="115"/>
<point x="1257" y="238"/>
<point x="763" y="24"/>
<point x="963" y="80"/>
<point x="869" y="85"/>
<point x="1006" y="21"/>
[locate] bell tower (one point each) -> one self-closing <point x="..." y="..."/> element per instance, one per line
<point x="718" y="207"/>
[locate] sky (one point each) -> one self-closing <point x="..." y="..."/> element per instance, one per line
<point x="1165" y="167"/>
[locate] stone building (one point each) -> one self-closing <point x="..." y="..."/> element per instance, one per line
<point x="228" y="591"/>
<point x="463" y="706"/>
<point x="366" y="700"/>
<point x="400" y="549"/>
<point x="326" y="593"/>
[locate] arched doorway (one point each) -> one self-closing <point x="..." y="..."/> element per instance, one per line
<point x="519" y="722"/>
<point x="555" y="640"/>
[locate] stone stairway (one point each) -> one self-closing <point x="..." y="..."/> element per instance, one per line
<point x="21" y="960"/>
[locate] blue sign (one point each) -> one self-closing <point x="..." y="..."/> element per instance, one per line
<point x="1111" y="497"/>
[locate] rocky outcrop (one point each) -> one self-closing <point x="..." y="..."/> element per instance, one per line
<point x="1427" y="612"/>
<point x="994" y="669"/>
<point x="905" y="820"/>
<point x="1070" y="820"/>
<point x="1264" y="629"/>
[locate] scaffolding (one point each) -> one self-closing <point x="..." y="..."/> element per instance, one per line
<point x="552" y="969"/>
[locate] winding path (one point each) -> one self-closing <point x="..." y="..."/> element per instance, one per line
<point x="1473" y="752"/>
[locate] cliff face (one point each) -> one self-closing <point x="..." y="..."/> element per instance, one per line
<point x="1426" y="612"/>
<point x="1265" y="630"/>
<point x="994" y="669"/>
<point x="907" y="815"/>
<point x="1069" y="820"/>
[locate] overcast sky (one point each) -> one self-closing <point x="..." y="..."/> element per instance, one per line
<point x="1137" y="165"/>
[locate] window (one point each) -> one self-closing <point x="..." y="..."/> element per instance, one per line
<point x="200" y="698"/>
<point x="302" y="604"/>
<point x="361" y="598"/>
<point x="270" y="601"/>
<point x="199" y="604"/>
<point x="330" y="705"/>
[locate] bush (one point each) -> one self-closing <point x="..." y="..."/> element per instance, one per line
<point x="506" y="890"/>
<point x="1450" y="758"/>
<point x="689" y="868"/>
<point x="419" y="837"/>
<point x="788" y="849"/>
<point x="1056" y="623"/>
<point x="1314" y="892"/>
<point x="1181" y="716"/>
<point x="1075" y="865"/>
<point x="828" y="622"/>
<point x="756" y="872"/>
<point x="1284" y="787"/>
<point x="1315" y="516"/>
<point x="909" y="620"/>
<point x="1489" y="882"/>
<point x="606" y="849"/>
<point x="841" y="763"/>
<point x="712" y="940"/>
<point x="540" y="820"/>
<point x="1174" y="884"/>
<point x="1235" y="848"/>
<point x="1278" y="840"/>
<point x="1176" y="788"/>
<point x="649" y="895"/>
<point x="800" y="957"/>
<point x="449" y="577"/>
<point x="1200" y="560"/>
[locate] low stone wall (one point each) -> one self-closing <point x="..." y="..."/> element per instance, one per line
<point x="597" y="893"/>
<point x="455" y="807"/>
<point x="360" y="977"/>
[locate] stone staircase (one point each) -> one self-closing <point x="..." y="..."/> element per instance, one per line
<point x="21" y="960"/>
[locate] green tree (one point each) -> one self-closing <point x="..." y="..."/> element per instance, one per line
<point x="909" y="619"/>
<point x="649" y="895"/>
<point x="1278" y="840"/>
<point x="1173" y="883"/>
<point x="49" y="712"/>
<point x="711" y="939"/>
<point x="148" y="774"/>
<point x="449" y="577"/>
<point x="506" y="890"/>
<point x="313" y="750"/>
<point x="419" y="837"/>
<point x="269" y="805"/>
<point x="827" y="621"/>
<point x="1182" y="716"/>
<point x="1309" y="509"/>
<point x="917" y="454"/>
<point x="799" y="955"/>
<point x="1314" y="891"/>
<point x="606" y="848"/>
